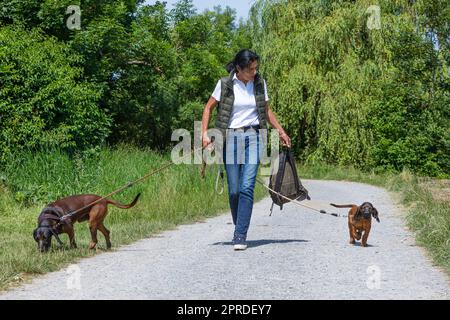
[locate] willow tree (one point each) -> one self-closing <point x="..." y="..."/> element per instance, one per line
<point x="359" y="82"/>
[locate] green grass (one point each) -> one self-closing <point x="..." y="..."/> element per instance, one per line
<point x="331" y="172"/>
<point x="175" y="196"/>
<point x="428" y="217"/>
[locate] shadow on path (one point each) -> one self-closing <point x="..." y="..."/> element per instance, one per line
<point x="262" y="242"/>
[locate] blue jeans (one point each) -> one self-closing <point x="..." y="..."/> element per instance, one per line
<point x="241" y="158"/>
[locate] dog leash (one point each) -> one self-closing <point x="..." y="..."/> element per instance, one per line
<point x="71" y="214"/>
<point x="299" y="203"/>
<point x="220" y="175"/>
<point x="63" y="219"/>
<point x="60" y="243"/>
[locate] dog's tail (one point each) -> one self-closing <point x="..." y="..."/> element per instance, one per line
<point x="343" y="205"/>
<point x="124" y="206"/>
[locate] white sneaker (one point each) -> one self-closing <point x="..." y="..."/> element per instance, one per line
<point x="240" y="247"/>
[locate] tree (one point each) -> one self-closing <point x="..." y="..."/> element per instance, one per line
<point x="42" y="101"/>
<point x="350" y="94"/>
<point x="184" y="9"/>
<point x="147" y="70"/>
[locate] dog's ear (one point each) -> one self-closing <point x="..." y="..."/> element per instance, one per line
<point x="35" y="234"/>
<point x="59" y="211"/>
<point x="375" y="214"/>
<point x="52" y="210"/>
<point x="56" y="211"/>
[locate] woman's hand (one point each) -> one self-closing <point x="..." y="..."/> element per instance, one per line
<point x="210" y="105"/>
<point x="286" y="141"/>
<point x="272" y="119"/>
<point x="205" y="140"/>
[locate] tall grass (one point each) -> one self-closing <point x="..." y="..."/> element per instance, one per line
<point x="172" y="197"/>
<point x="348" y="173"/>
<point x="427" y="216"/>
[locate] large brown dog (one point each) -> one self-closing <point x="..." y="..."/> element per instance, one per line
<point x="53" y="219"/>
<point x="359" y="220"/>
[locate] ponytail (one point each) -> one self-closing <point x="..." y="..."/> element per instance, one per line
<point x="231" y="66"/>
<point x="243" y="59"/>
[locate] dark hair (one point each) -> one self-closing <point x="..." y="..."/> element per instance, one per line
<point x="243" y="59"/>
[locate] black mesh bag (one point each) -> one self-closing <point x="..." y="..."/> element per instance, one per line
<point x="286" y="182"/>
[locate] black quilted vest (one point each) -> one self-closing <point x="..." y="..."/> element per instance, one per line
<point x="225" y="107"/>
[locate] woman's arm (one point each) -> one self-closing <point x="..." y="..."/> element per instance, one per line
<point x="272" y="119"/>
<point x="210" y="105"/>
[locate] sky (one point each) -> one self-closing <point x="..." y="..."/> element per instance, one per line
<point x="242" y="6"/>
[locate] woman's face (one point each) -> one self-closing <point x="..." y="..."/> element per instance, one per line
<point x="248" y="74"/>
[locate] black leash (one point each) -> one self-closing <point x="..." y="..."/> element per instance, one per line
<point x="299" y="203"/>
<point x="61" y="244"/>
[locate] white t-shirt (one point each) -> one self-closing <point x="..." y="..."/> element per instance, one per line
<point x="244" y="109"/>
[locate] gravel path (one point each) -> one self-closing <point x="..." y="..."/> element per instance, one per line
<point x="294" y="254"/>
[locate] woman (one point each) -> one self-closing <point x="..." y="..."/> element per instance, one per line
<point x="243" y="109"/>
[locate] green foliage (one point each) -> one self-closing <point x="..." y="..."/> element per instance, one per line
<point x="155" y="67"/>
<point x="348" y="94"/>
<point x="42" y="101"/>
<point x="129" y="75"/>
<point x="184" y="9"/>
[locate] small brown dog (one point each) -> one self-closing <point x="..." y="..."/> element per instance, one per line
<point x="53" y="219"/>
<point x="359" y="220"/>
